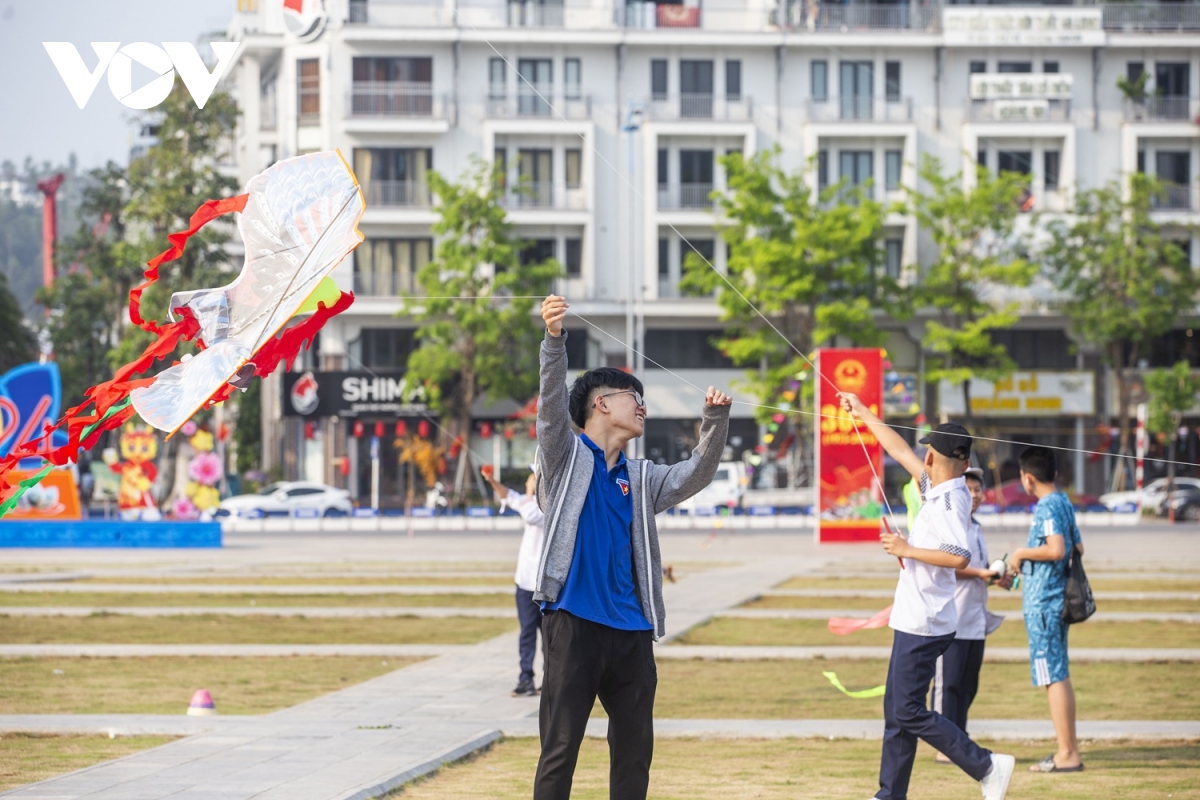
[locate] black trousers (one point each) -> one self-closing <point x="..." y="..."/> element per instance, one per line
<point x="530" y="615"/>
<point x="906" y="717"/>
<point x="586" y="660"/>
<point x="957" y="680"/>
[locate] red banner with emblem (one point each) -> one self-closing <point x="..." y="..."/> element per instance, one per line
<point x="849" y="501"/>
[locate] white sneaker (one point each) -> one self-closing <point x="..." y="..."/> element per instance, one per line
<point x="995" y="783"/>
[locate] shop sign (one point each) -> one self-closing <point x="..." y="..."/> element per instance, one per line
<point x="849" y="501"/>
<point x="1024" y="394"/>
<point x="1028" y="86"/>
<point x="1021" y="110"/>
<point x="1023" y="27"/>
<point x="351" y="394"/>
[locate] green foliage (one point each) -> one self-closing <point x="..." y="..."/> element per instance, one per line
<point x="978" y="251"/>
<point x="1172" y="392"/>
<point x="247" y="434"/>
<point x="1126" y="282"/>
<point x="1134" y="90"/>
<point x="812" y="265"/>
<point x="470" y="348"/>
<point x="16" y="340"/>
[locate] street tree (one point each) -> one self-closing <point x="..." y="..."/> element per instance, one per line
<point x="811" y="262"/>
<point x="979" y="250"/>
<point x="1126" y="280"/>
<point x="16" y="339"/>
<point x="1172" y="392"/>
<point x="477" y="335"/>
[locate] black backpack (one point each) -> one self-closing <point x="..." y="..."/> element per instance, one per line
<point x="1078" y="604"/>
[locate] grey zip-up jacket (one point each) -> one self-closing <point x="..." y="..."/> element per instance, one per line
<point x="565" y="475"/>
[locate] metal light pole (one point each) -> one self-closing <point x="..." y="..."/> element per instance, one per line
<point x="633" y="123"/>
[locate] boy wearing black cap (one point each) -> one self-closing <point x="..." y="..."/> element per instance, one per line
<point x="924" y="616"/>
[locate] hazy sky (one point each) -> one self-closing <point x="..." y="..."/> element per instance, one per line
<point x="37" y="115"/>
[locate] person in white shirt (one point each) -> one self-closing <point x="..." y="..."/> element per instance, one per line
<point x="957" y="678"/>
<point x="528" y="612"/>
<point x="924" y="617"/>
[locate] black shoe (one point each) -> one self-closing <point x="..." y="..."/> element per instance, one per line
<point x="525" y="689"/>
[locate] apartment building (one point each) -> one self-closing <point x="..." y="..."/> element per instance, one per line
<point x="612" y="117"/>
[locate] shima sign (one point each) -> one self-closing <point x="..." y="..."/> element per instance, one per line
<point x="849" y="501"/>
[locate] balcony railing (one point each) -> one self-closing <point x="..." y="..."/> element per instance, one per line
<point x="1019" y="110"/>
<point x="397" y="13"/>
<point x="395" y="99"/>
<point x="1174" y="197"/>
<point x="861" y="108"/>
<point x="699" y="106"/>
<point x="814" y="16"/>
<point x="542" y="103"/>
<point x="410" y="194"/>
<point x="535" y="15"/>
<point x="697" y="196"/>
<point x="1143" y="17"/>
<point x="544" y="194"/>
<point x="1163" y="108"/>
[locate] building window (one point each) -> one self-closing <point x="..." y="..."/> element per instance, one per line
<point x="733" y="80"/>
<point x="572" y="79"/>
<point x="685" y="349"/>
<point x="893" y="159"/>
<point x="1019" y="161"/>
<point x="892" y="81"/>
<point x="819" y="74"/>
<point x="1141" y="162"/>
<point x="1171" y="80"/>
<point x="1012" y="67"/>
<point x="855" y="166"/>
<point x="981" y="157"/>
<point x="695" y="89"/>
<point x="1050" y="166"/>
<point x="695" y="178"/>
<point x="573" y="256"/>
<point x="977" y="67"/>
<point x="393" y="176"/>
<point x="393" y="70"/>
<point x="538" y="251"/>
<point x="658" y="79"/>
<point x="663" y="177"/>
<point x="573" y="166"/>
<point x="500" y="167"/>
<point x="822" y="169"/>
<point x="497" y="79"/>
<point x="1050" y="67"/>
<point x="536" y="83"/>
<point x="893" y="256"/>
<point x="1134" y="70"/>
<point x="383" y="348"/>
<point x="535" y="168"/>
<point x="705" y="249"/>
<point x="389" y="267"/>
<point x="308" y="91"/>
<point x="664" y="258"/>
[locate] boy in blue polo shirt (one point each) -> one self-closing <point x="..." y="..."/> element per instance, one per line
<point x="600" y="576"/>
<point x="924" y="617"/>
<point x="1043" y="564"/>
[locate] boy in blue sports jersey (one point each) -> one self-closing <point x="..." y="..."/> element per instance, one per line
<point x="1043" y="565"/>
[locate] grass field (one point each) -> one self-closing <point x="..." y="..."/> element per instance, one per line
<point x="30" y="757"/>
<point x="695" y="769"/>
<point x="697" y="689"/>
<point x="731" y="631"/>
<point x="499" y="579"/>
<point x="165" y="685"/>
<point x="153" y="599"/>
<point x="1134" y="583"/>
<point x="997" y="601"/>
<point x="107" y="628"/>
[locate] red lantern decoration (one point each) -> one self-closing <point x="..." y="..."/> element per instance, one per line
<point x="509" y="433"/>
<point x="423" y="429"/>
<point x="533" y="431"/>
<point x="379" y="429"/>
<point x="344" y="465"/>
<point x="456" y="446"/>
<point x="485" y="430"/>
<point x="358" y="429"/>
<point x="401" y="428"/>
<point x="310" y="428"/>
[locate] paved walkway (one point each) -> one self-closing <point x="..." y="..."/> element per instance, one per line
<point x="857" y="613"/>
<point x="258" y="588"/>
<point x="337" y="612"/>
<point x="887" y="594"/>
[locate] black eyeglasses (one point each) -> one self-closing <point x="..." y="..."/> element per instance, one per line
<point x="637" y="396"/>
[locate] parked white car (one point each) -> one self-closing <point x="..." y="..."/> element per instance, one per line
<point x="1154" y="494"/>
<point x="726" y="489"/>
<point x="287" y="497"/>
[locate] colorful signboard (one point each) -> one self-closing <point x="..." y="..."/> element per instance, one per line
<point x="30" y="397"/>
<point x="1024" y="394"/>
<point x="849" y="499"/>
<point x="351" y="394"/>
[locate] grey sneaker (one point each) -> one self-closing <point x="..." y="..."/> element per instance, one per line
<point x="995" y="783"/>
<point x="525" y="689"/>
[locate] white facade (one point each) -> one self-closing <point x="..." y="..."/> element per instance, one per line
<point x="870" y="87"/>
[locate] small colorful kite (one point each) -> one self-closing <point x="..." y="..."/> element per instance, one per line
<point x="298" y="219"/>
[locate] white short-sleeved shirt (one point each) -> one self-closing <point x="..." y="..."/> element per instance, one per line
<point x="970" y="595"/>
<point x="924" y="603"/>
<point x="530" y="552"/>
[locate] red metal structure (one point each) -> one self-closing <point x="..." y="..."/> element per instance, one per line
<point x="49" y="190"/>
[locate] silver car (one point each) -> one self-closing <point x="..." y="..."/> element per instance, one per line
<point x="286" y="497"/>
<point x="1153" y="495"/>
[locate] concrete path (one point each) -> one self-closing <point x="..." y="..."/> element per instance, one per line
<point x="337" y="612"/>
<point x="257" y="588"/>
<point x="887" y="594"/>
<point x="997" y="654"/>
<point x="826" y="613"/>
